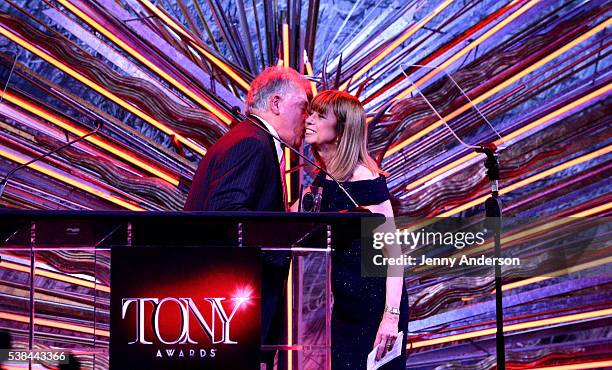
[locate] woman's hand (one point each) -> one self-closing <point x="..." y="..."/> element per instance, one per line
<point x="386" y="335"/>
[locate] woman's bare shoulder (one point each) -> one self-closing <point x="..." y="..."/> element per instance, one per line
<point x="363" y="173"/>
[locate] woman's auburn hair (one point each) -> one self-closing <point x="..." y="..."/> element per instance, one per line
<point x="351" y="134"/>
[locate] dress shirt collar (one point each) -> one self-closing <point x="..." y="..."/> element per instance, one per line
<point x="277" y="144"/>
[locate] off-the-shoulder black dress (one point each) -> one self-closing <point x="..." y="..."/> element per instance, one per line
<point x="358" y="301"/>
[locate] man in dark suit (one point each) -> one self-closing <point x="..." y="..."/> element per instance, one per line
<point x="243" y="171"/>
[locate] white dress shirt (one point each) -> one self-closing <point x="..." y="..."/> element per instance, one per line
<point x="277" y="144"/>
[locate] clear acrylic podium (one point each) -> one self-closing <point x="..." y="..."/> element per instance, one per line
<point x="55" y="274"/>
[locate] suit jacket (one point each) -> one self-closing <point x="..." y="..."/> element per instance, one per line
<point x="240" y="172"/>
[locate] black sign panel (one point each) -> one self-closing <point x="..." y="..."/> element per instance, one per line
<point x="185" y="308"/>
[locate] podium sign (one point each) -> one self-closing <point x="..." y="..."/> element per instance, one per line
<point x="185" y="308"/>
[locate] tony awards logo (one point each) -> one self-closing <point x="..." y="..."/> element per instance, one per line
<point x="167" y="322"/>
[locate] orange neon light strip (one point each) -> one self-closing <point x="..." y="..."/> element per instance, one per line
<point x="69" y="180"/>
<point x="56" y="276"/>
<point x="555" y="224"/>
<point x="288" y="200"/>
<point x="290" y="316"/>
<point x="400" y="40"/>
<point x="468" y="48"/>
<point x="541" y="228"/>
<point x="134" y="53"/>
<point x="497" y="88"/>
<point x="308" y="66"/>
<point x="592" y="211"/>
<point x="285" y="45"/>
<point x="53" y="324"/>
<point x="561" y="167"/>
<point x="91" y="84"/>
<point x="44" y="114"/>
<point x="514" y="327"/>
<point x="211" y="57"/>
<point x="580" y="366"/>
<point x="530" y="180"/>
<point x="536" y="230"/>
<point x="527" y="181"/>
<point x="288" y="174"/>
<point x="467" y="35"/>
<point x="287" y="151"/>
<point x="585" y="99"/>
<point x="601" y="91"/>
<point x="566" y="271"/>
<point x="441" y="170"/>
<point x="569" y="270"/>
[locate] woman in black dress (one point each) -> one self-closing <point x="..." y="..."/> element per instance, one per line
<point x="368" y="312"/>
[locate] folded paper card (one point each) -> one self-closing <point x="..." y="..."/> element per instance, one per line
<point x="393" y="353"/>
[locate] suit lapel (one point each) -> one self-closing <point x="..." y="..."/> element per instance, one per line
<point x="257" y="122"/>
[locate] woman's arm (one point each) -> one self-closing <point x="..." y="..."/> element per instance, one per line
<point x="388" y="328"/>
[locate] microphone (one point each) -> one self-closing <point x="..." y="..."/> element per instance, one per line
<point x="4" y="181"/>
<point x="257" y="123"/>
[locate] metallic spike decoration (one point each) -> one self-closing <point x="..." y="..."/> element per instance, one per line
<point x="165" y="78"/>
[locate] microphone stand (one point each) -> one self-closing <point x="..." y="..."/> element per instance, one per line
<point x="493" y="208"/>
<point x="493" y="212"/>
<point x="4" y="181"/>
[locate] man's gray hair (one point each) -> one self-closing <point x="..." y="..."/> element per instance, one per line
<point x="273" y="80"/>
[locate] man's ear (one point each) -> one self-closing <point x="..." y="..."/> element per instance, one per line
<point x="274" y="104"/>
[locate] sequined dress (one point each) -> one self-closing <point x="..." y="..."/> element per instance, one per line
<point x="358" y="302"/>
